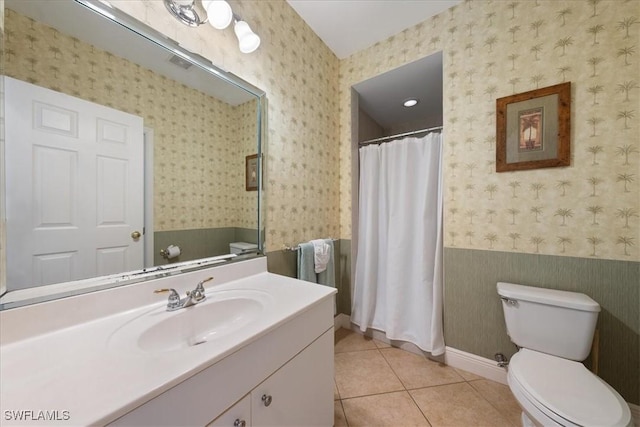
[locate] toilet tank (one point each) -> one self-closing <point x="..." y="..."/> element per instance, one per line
<point x="242" y="247"/>
<point x="555" y="322"/>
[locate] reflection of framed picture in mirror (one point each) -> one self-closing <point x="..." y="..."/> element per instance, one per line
<point x="251" y="173"/>
<point x="534" y="129"/>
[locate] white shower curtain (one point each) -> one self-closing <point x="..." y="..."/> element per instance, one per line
<point x="399" y="267"/>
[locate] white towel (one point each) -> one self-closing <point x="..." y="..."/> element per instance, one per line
<point x="322" y="253"/>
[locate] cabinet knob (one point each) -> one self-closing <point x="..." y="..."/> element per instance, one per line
<point x="266" y="400"/>
<point x="239" y="423"/>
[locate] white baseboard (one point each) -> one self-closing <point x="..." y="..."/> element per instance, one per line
<point x="478" y="365"/>
<point x="342" y="321"/>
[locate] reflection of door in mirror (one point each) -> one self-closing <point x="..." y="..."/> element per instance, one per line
<point x="201" y="137"/>
<point x="74" y="187"/>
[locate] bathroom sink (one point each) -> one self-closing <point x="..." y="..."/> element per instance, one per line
<point x="221" y="314"/>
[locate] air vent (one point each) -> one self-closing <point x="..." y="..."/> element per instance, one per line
<point x="182" y="63"/>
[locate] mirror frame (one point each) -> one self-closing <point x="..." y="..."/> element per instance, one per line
<point x="77" y="287"/>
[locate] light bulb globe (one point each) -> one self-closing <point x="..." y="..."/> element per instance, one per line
<point x="248" y="41"/>
<point x="219" y="13"/>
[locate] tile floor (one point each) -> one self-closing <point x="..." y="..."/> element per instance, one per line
<point x="379" y="385"/>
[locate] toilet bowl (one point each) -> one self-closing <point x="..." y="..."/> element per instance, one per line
<point x="558" y="392"/>
<point x="554" y="330"/>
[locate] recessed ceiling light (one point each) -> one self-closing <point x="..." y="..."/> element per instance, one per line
<point x="410" y="102"/>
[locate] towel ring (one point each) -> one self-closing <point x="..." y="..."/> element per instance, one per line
<point x="297" y="247"/>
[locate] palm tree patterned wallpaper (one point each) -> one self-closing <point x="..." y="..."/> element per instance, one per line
<point x="491" y="49"/>
<point x="299" y="74"/>
<point x="200" y="143"/>
<point x="497" y="48"/>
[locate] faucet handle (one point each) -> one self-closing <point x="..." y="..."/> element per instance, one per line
<point x="164" y="290"/>
<point x="200" y="286"/>
<point x="198" y="293"/>
<point x="174" y="298"/>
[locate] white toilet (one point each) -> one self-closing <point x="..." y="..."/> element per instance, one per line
<point x="554" y="330"/>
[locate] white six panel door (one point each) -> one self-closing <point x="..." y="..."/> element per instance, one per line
<point x="74" y="187"/>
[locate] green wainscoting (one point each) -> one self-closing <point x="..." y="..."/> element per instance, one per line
<point x="200" y="243"/>
<point x="285" y="263"/>
<point x="473" y="319"/>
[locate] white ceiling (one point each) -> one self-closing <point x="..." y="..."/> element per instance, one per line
<point x="347" y="26"/>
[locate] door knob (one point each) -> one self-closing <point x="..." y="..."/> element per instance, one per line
<point x="266" y="399"/>
<point x="136" y="235"/>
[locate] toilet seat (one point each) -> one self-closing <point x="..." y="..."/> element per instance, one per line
<point x="565" y="391"/>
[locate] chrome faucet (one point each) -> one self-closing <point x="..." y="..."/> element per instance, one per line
<point x="193" y="297"/>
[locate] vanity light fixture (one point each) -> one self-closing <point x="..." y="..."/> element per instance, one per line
<point x="218" y="14"/>
<point x="186" y="11"/>
<point x="411" y="102"/>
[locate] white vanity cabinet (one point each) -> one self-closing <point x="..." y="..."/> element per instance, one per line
<point x="98" y="369"/>
<point x="298" y="394"/>
<point x="301" y="392"/>
<point x="292" y="365"/>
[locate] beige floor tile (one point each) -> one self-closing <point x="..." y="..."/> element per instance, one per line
<point x="417" y="371"/>
<point x="500" y="396"/>
<point x="346" y="340"/>
<point x="336" y="393"/>
<point x="360" y="373"/>
<point x="339" y="419"/>
<point x="381" y="344"/>
<point x="457" y="405"/>
<point x="468" y="376"/>
<point x="389" y="409"/>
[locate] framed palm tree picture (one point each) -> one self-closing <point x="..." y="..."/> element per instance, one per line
<point x="533" y="129"/>
<point x="251" y="172"/>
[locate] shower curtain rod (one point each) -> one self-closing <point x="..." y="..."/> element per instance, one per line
<point x="384" y="138"/>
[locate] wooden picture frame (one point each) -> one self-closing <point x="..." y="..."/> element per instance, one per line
<point x="533" y="129"/>
<point x="251" y="172"/>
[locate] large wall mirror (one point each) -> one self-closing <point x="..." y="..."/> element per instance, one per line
<point x="118" y="145"/>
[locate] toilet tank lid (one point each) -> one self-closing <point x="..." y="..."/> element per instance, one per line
<point x="243" y="245"/>
<point x="574" y="300"/>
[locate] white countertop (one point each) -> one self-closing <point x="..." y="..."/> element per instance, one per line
<point x="74" y="369"/>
